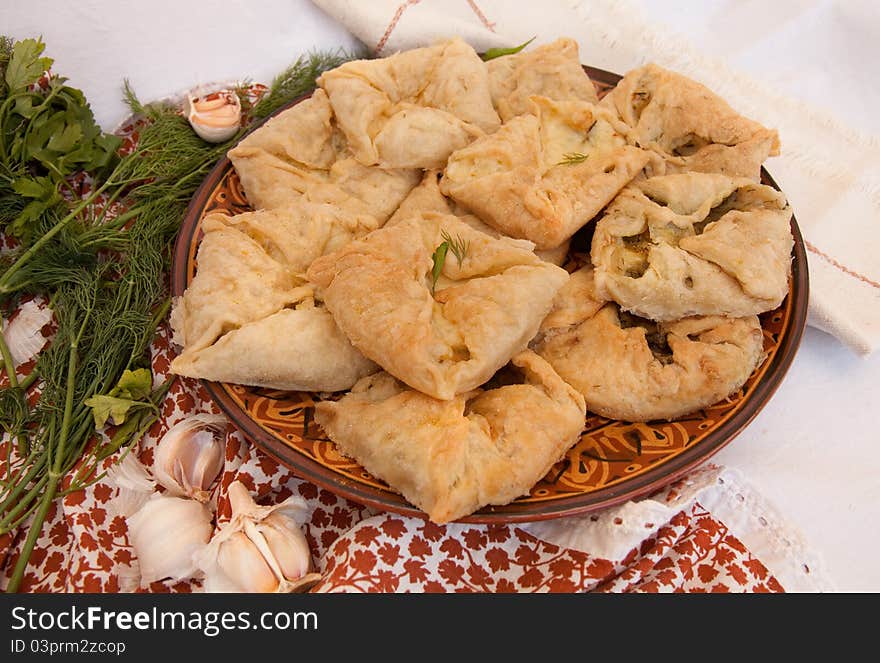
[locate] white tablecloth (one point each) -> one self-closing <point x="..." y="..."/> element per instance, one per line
<point x="813" y="450"/>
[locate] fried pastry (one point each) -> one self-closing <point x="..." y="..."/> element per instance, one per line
<point x="450" y="458"/>
<point x="295" y="349"/>
<point x="412" y="109"/>
<point x="674" y="246"/>
<point x="689" y="126"/>
<point x="427" y="197"/>
<point x="444" y="335"/>
<point x="633" y="369"/>
<point x="237" y="282"/>
<point x="249" y="316"/>
<point x="552" y="70"/>
<point x="299" y="154"/>
<point x="543" y="176"/>
<point x="300" y="232"/>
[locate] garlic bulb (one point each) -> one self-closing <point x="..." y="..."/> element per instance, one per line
<point x="215" y="117"/>
<point x="167" y="533"/>
<point x="261" y="549"/>
<point x="134" y="483"/>
<point x="189" y="456"/>
<point x="23" y="336"/>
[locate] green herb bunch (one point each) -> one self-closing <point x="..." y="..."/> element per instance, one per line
<point x="103" y="271"/>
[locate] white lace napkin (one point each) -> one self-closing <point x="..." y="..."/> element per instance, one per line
<point x="829" y="170"/>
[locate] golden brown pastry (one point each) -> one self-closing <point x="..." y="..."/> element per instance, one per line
<point x="694" y="244"/>
<point x="450" y="458"/>
<point x="427" y="197"/>
<point x="414" y="108"/>
<point x="445" y="338"/>
<point x="300" y="232"/>
<point x="237" y="282"/>
<point x="552" y="70"/>
<point x="632" y="369"/>
<point x="689" y="126"/>
<point x="299" y="154"/>
<point x="295" y="349"/>
<point x="249" y="316"/>
<point x="543" y="176"/>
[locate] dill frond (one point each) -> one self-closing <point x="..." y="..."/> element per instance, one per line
<point x="299" y="78"/>
<point x="457" y="245"/>
<point x="571" y="158"/>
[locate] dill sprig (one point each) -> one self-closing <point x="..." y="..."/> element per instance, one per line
<point x="572" y="158"/>
<point x="457" y="245"/>
<point x="299" y="78"/>
<point x="459" y="248"/>
<point x="106" y="279"/>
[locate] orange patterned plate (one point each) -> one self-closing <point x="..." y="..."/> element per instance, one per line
<point x="613" y="461"/>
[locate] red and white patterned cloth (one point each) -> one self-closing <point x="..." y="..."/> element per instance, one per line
<point x="706" y="533"/>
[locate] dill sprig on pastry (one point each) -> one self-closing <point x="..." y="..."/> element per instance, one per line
<point x="572" y="158"/>
<point x="459" y="248"/>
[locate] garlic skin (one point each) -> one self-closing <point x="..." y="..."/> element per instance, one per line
<point x="189" y="457"/>
<point x="23" y="335"/>
<point x="261" y="549"/>
<point x="167" y="533"/>
<point x="215" y="117"/>
<point x="134" y="483"/>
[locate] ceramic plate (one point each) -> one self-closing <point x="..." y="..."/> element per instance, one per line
<point x="612" y="462"/>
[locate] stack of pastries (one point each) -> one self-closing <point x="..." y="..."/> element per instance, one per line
<point x="405" y="255"/>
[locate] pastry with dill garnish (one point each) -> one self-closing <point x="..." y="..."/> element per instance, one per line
<point x="427" y="197"/>
<point x="546" y="174"/>
<point x="437" y="304"/>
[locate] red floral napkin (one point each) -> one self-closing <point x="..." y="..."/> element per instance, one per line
<point x="706" y="533"/>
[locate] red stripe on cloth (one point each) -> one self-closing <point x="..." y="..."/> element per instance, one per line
<point x="842" y="268"/>
<point x="393" y="24"/>
<point x="480" y="15"/>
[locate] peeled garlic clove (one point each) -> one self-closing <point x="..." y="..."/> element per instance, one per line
<point x="243" y="563"/>
<point x="214" y="117"/>
<point x="167" y="533"/>
<point x="257" y="539"/>
<point x="288" y="546"/>
<point x="189" y="456"/>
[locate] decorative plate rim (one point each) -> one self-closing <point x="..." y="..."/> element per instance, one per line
<point x="649" y="481"/>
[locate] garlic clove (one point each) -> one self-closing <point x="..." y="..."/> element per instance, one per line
<point x="288" y="546"/>
<point x="215" y="117"/>
<point x="243" y="563"/>
<point x="275" y="543"/>
<point x="189" y="457"/>
<point x="167" y="533"/>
